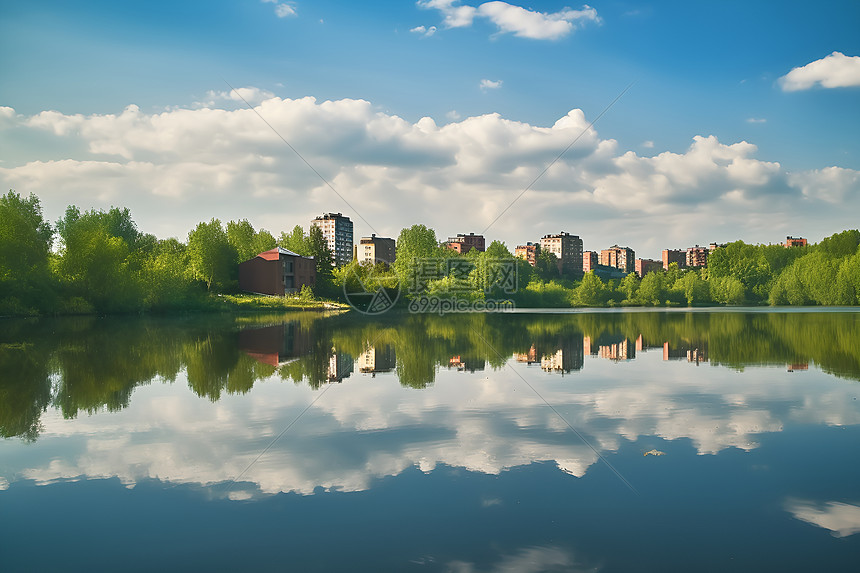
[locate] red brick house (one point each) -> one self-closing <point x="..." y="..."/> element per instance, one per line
<point x="277" y="272"/>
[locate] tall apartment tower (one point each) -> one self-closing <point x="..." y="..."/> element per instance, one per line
<point x="622" y="258"/>
<point x="568" y="250"/>
<point x="337" y="230"/>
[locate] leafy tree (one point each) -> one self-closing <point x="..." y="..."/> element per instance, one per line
<point x="295" y="241"/>
<point x="652" y="290"/>
<point x="695" y="290"/>
<point x="591" y="291"/>
<point x="25" y="242"/>
<point x="317" y="247"/>
<point x="211" y="257"/>
<point x="95" y="260"/>
<point x="629" y="287"/>
<point x="414" y="244"/>
<point x="840" y="245"/>
<point x="248" y="242"/>
<point x="546" y="265"/>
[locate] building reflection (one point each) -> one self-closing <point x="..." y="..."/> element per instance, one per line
<point x="695" y="352"/>
<point x="377" y="359"/>
<point x="615" y="348"/>
<point x="276" y="345"/>
<point x="463" y="363"/>
<point x="340" y="366"/>
<point x="565" y="356"/>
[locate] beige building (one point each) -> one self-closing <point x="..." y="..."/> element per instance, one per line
<point x="568" y="250"/>
<point x="375" y="249"/>
<point x="622" y="258"/>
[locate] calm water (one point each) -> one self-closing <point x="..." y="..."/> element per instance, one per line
<point x="631" y="441"/>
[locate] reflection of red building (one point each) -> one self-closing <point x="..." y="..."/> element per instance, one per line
<point x="275" y="345"/>
<point x="798" y="366"/>
<point x="277" y="272"/>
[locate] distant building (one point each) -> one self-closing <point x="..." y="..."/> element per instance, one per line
<point x="715" y="246"/>
<point x="795" y="242"/>
<point x="622" y="258"/>
<point x="277" y="272"/>
<point x="529" y="252"/>
<point x="337" y="229"/>
<point x="375" y="249"/>
<point x="568" y="250"/>
<point x="589" y="261"/>
<point x="645" y="266"/>
<point x="674" y="256"/>
<point x="465" y="243"/>
<point x="697" y="256"/>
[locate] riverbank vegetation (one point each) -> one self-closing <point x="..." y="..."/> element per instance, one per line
<point x="98" y="262"/>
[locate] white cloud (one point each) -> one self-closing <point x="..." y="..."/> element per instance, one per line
<point x="283" y="9"/>
<point x="536" y="25"/>
<point x="245" y="95"/>
<point x="490" y="84"/>
<point x="834" y="71"/>
<point x="842" y="519"/>
<point x="455" y="16"/>
<point x="513" y="19"/>
<point x="756" y="120"/>
<point x="185" y="165"/>
<point x="453" y="115"/>
<point x="426" y="32"/>
<point x="648" y="144"/>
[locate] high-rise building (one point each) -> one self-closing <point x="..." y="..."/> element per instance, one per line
<point x="568" y="250"/>
<point x="465" y="243"/>
<point x="529" y="252"/>
<point x="645" y="266"/>
<point x="589" y="261"/>
<point x="375" y="249"/>
<point x="697" y="256"/>
<point x="622" y="258"/>
<point x="337" y="230"/>
<point x="674" y="256"/>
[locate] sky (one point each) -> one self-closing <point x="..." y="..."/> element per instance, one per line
<point x="651" y="125"/>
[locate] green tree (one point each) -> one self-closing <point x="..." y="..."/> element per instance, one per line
<point x="414" y="244"/>
<point x="652" y="290"/>
<point x="96" y="262"/>
<point x="591" y="291"/>
<point x="211" y="257"/>
<point x="25" y="241"/>
<point x="295" y="241"/>
<point x="629" y="287"/>
<point x="546" y="265"/>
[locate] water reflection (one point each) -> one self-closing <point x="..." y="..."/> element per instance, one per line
<point x="200" y="402"/>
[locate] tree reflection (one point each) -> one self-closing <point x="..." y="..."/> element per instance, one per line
<point x="92" y="364"/>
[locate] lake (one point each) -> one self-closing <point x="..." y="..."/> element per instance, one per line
<point x="707" y="440"/>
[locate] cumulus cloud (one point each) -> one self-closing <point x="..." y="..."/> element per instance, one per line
<point x="834" y="71"/>
<point x="423" y="31"/>
<point x="516" y="20"/>
<point x="490" y="84"/>
<point x="219" y="159"/>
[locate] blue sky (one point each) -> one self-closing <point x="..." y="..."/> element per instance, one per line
<point x="774" y="156"/>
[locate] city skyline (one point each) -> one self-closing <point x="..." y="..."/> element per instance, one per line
<point x="443" y="113"/>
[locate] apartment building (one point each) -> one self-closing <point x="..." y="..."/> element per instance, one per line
<point x="568" y="250"/>
<point x="529" y="252"/>
<point x="375" y="249"/>
<point x="337" y="230"/>
<point x="622" y="258"/>
<point x="463" y="243"/>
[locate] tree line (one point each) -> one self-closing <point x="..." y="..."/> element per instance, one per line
<point x="103" y="263"/>
<point x="827" y="273"/>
